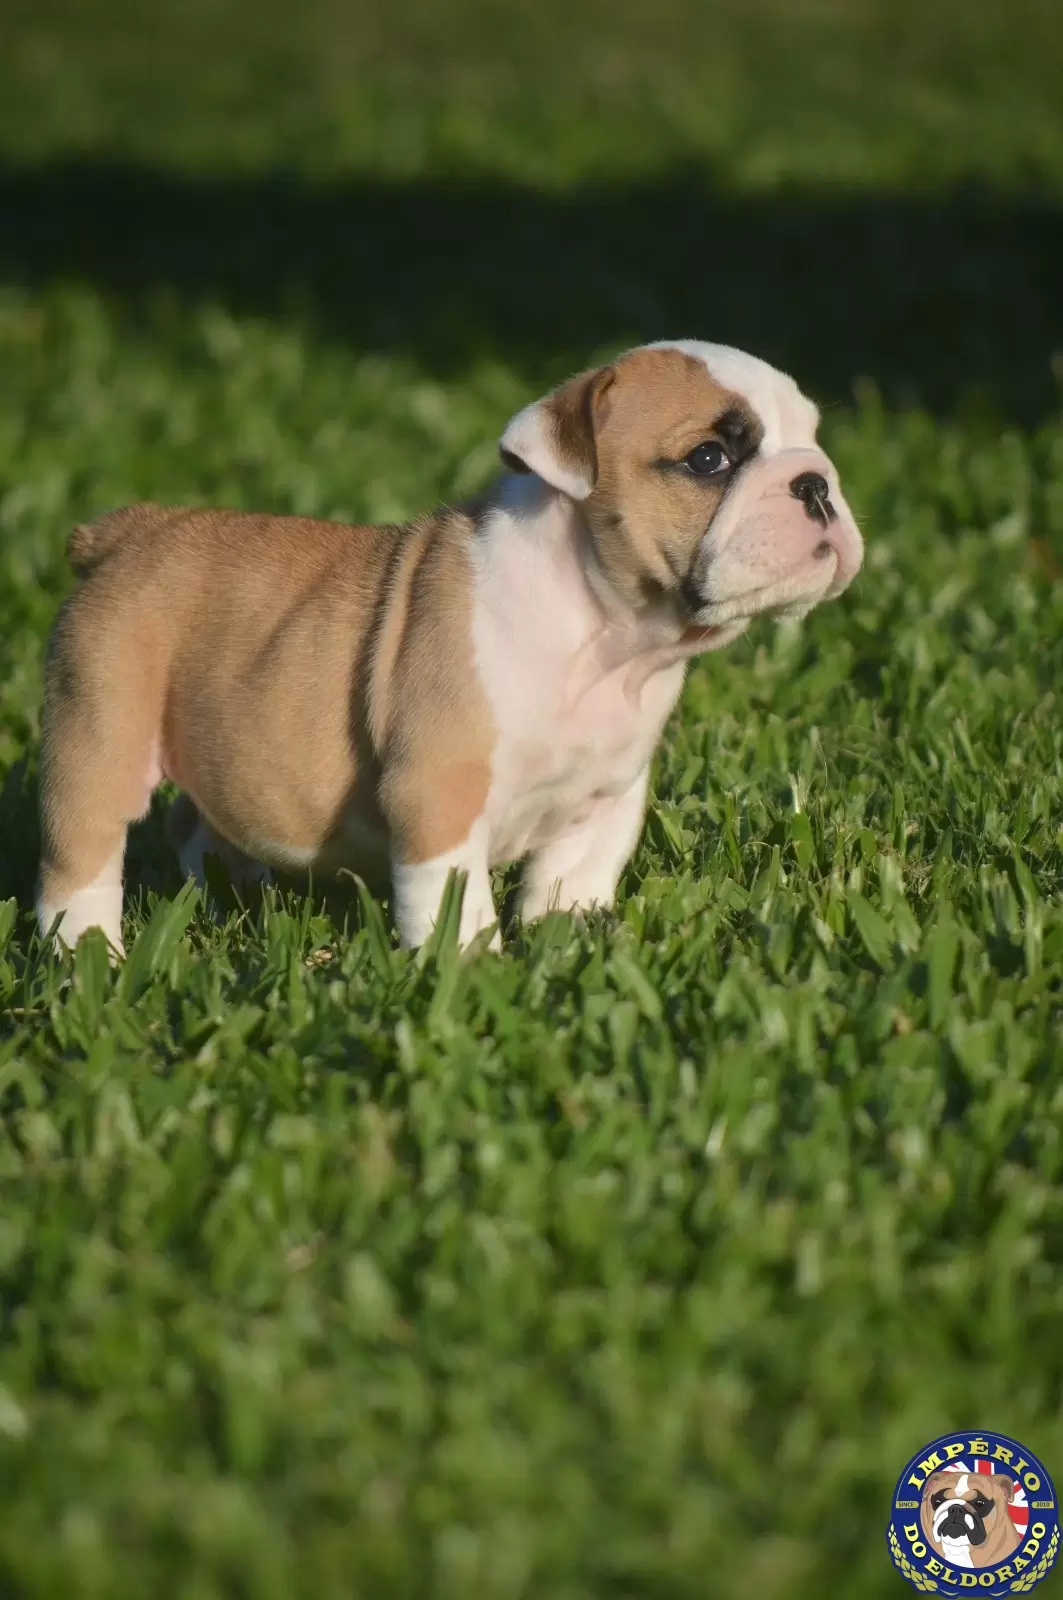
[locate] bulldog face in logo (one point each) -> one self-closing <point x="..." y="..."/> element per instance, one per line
<point x="965" y="1517"/>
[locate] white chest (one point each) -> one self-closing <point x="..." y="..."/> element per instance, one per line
<point x="549" y="772"/>
<point x="577" y="720"/>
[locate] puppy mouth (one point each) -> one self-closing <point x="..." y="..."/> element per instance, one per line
<point x="959" y="1523"/>
<point x="785" y="598"/>
<point x="698" y="630"/>
<point x="703" y="635"/>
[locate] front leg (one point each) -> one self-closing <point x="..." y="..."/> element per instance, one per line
<point x="581" y="867"/>
<point x="417" y="888"/>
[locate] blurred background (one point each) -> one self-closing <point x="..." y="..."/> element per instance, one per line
<point x="853" y="188"/>
<point x="310" y="257"/>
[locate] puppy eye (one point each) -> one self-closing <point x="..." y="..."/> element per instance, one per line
<point x="708" y="459"/>
<point x="936" y="1498"/>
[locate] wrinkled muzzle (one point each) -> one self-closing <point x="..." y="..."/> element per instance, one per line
<point x="956" y="1520"/>
<point x="783" y="540"/>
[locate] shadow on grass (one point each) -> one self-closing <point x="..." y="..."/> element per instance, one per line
<point x="934" y="297"/>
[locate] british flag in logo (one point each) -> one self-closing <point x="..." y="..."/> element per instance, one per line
<point x="1018" y="1510"/>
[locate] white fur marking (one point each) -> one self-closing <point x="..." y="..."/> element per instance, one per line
<point x="582" y="866"/>
<point x="97" y="905"/>
<point x="958" y="1551"/>
<point x="579" y="700"/>
<point x="417" y="889"/>
<point x="788" y="416"/>
<point x="529" y="437"/>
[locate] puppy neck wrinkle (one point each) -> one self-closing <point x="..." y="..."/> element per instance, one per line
<point x="549" y="521"/>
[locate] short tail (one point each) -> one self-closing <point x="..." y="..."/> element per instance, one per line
<point x="92" y="542"/>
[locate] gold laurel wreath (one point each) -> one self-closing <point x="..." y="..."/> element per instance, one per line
<point x="1022" y="1585"/>
<point x="1035" y="1574"/>
<point x="918" y="1579"/>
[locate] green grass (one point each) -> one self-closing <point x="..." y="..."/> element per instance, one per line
<point x="636" y="1262"/>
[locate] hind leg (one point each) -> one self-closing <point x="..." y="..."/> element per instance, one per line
<point x="98" y="768"/>
<point x="193" y="838"/>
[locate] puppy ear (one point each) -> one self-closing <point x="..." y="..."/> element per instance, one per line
<point x="1005" y="1484"/>
<point x="555" y="437"/>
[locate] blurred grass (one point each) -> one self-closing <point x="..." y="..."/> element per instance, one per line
<point x="637" y="1262"/>
<point x="854" y="92"/>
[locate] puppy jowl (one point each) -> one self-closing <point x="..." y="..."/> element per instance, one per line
<point x="480" y="685"/>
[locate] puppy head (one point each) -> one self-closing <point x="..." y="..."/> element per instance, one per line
<point x="961" y="1507"/>
<point x="698" y="476"/>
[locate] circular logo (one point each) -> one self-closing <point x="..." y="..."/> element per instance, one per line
<point x="974" y="1514"/>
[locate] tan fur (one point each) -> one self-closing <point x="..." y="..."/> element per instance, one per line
<point x="479" y="683"/>
<point x="264" y="664"/>
<point x="619" y="422"/>
<point x="91" y="542"/>
<point x="574" y="410"/>
<point x="1002" y="1537"/>
<point x="659" y="408"/>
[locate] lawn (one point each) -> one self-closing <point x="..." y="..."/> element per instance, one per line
<point x="637" y="1261"/>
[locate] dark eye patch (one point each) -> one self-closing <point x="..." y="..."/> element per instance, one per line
<point x="737" y="430"/>
<point x="740" y="432"/>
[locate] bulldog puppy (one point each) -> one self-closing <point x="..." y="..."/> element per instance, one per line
<point x="965" y="1517"/>
<point x="479" y="685"/>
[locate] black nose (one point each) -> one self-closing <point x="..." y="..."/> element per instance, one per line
<point x="812" y="490"/>
<point x="962" y="1519"/>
